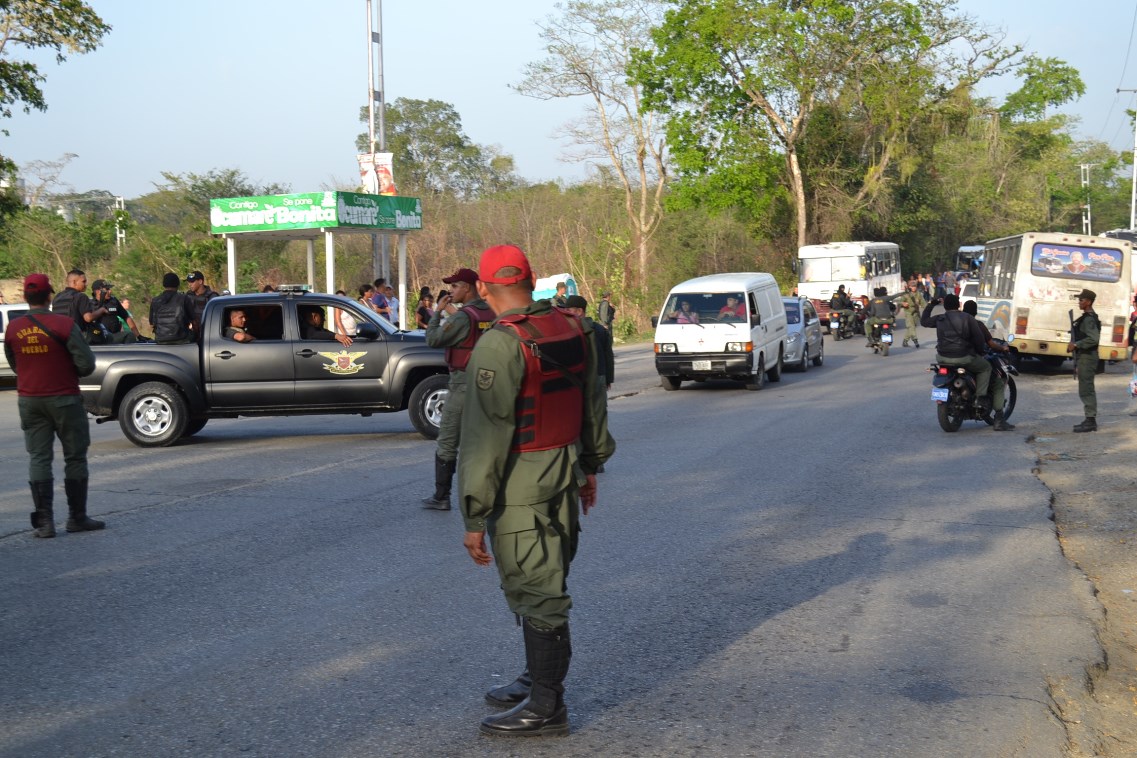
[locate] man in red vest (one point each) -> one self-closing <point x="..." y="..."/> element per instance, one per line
<point x="533" y="437"/>
<point x="49" y="354"/>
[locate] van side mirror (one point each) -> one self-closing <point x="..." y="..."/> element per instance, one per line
<point x="654" y="321"/>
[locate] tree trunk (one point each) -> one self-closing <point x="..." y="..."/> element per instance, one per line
<point x="797" y="186"/>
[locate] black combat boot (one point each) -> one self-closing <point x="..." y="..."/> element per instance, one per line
<point x="43" y="517"/>
<point x="443" y="475"/>
<point x="916" y="342"/>
<point x="76" y="490"/>
<point x="1089" y="425"/>
<point x="1001" y="423"/>
<point x="509" y="695"/>
<point x="543" y="713"/>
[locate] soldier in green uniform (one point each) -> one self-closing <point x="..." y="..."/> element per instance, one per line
<point x="49" y="353"/>
<point x="459" y="321"/>
<point x="911" y="303"/>
<point x="879" y="311"/>
<point x="1084" y="345"/>
<point x="533" y="437"/>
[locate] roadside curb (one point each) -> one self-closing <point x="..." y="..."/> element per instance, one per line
<point x="1093" y="483"/>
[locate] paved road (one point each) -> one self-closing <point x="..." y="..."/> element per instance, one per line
<point x="810" y="570"/>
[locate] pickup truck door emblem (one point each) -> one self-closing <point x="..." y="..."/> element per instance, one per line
<point x="343" y="362"/>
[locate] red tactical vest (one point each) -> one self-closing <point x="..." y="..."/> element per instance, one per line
<point x="458" y="356"/>
<point x="43" y="366"/>
<point x="556" y="354"/>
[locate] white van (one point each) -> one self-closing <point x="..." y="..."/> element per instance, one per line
<point x="8" y="312"/>
<point x="724" y="326"/>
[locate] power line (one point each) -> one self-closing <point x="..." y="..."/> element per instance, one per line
<point x="1124" y="71"/>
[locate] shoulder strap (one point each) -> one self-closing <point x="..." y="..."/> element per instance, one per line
<point x="535" y="349"/>
<point x="50" y="333"/>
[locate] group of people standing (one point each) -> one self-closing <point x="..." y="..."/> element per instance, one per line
<point x="525" y="428"/>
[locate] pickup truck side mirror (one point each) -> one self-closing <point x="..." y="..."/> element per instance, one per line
<point x="366" y="330"/>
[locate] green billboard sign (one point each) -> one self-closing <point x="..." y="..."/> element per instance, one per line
<point x="314" y="210"/>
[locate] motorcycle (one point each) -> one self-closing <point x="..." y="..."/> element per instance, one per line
<point x="953" y="391"/>
<point x="840" y="327"/>
<point x="882" y="337"/>
<point x="860" y="316"/>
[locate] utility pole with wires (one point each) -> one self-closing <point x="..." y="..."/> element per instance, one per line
<point x="1087" y="222"/>
<point x="1133" y="196"/>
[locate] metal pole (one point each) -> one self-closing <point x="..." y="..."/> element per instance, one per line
<point x="1133" y="196"/>
<point x="380" y="96"/>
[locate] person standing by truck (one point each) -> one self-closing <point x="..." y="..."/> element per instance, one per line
<point x="199" y="294"/>
<point x="49" y="354"/>
<point x="73" y="302"/>
<point x="460" y="320"/>
<point x="171" y="313"/>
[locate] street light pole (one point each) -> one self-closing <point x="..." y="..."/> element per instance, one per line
<point x="1133" y="195"/>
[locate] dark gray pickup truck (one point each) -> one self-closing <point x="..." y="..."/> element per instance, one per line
<point x="161" y="393"/>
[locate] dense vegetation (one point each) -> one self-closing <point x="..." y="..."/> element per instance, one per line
<point x="834" y="120"/>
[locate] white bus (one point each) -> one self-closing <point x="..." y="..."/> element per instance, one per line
<point x="860" y="266"/>
<point x="1029" y="287"/>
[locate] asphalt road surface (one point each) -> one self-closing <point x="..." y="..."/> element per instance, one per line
<point x="815" y="569"/>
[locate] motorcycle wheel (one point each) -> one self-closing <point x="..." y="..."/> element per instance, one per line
<point x="836" y="334"/>
<point x="884" y="348"/>
<point x="949" y="421"/>
<point x="1012" y="396"/>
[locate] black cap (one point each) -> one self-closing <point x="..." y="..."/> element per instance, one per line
<point x="171" y="280"/>
<point x="195" y="276"/>
<point x="575" y="301"/>
<point x="1088" y="295"/>
<point x="101" y="284"/>
<point x="951" y="302"/>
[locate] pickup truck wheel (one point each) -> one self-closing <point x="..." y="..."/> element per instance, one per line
<point x="426" y="404"/>
<point x="153" y="415"/>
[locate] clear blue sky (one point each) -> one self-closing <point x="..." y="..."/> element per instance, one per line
<point x="274" y="88"/>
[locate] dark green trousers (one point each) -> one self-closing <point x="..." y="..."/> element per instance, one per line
<point x="533" y="546"/>
<point x="1086" y="365"/>
<point x="450" y="428"/>
<point x="45" y="418"/>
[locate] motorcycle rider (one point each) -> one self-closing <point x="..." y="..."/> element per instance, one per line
<point x="999" y="384"/>
<point x="879" y="311"/>
<point x="911" y="303"/>
<point x="960" y="342"/>
<point x="842" y="305"/>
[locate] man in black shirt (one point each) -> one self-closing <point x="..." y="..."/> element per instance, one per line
<point x="117" y="323"/>
<point x="199" y="294"/>
<point x="73" y="302"/>
<point x="960" y="343"/>
<point x="171" y="313"/>
<point x="312" y="326"/>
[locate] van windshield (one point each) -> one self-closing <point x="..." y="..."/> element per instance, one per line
<point x="705" y="308"/>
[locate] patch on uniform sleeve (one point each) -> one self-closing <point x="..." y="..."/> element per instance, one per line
<point x="485" y="378"/>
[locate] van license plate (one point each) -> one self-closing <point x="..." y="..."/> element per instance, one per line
<point x="700" y="365"/>
<point x="940" y="394"/>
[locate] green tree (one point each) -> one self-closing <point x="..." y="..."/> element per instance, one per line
<point x="1046" y="82"/>
<point x="433" y="156"/>
<point x="67" y="26"/>
<point x="589" y="48"/>
<point x="769" y="66"/>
